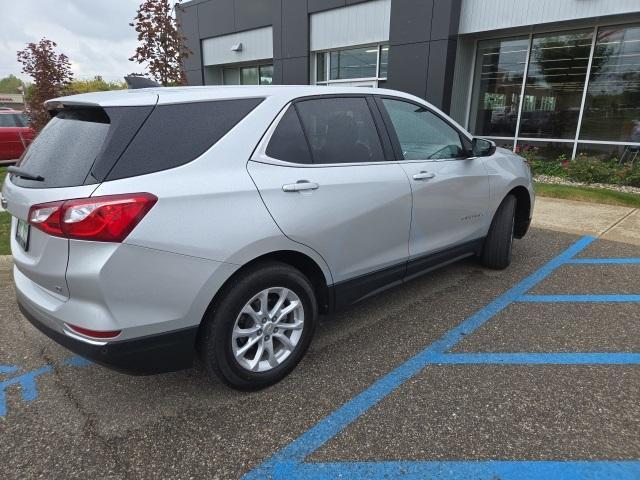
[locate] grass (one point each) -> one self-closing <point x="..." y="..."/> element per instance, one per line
<point x="587" y="194"/>
<point x="3" y="173"/>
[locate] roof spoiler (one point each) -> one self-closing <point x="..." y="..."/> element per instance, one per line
<point x="135" y="82"/>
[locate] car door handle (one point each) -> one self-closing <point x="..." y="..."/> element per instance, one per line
<point x="300" y="185"/>
<point x="424" y="176"/>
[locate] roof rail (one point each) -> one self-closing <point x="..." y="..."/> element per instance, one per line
<point x="135" y="82"/>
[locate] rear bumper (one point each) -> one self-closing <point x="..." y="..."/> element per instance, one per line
<point x="160" y="353"/>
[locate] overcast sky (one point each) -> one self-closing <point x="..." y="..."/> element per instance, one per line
<point x="95" y="34"/>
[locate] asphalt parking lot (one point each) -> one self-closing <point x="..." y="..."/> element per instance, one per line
<point x="531" y="372"/>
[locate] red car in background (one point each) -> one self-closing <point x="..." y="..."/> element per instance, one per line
<point x="15" y="134"/>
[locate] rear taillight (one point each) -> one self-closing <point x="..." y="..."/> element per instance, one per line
<point x="101" y="219"/>
<point x="98" y="334"/>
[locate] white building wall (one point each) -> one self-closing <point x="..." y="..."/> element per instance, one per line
<point x="358" y="24"/>
<point x="256" y="45"/>
<point x="483" y="15"/>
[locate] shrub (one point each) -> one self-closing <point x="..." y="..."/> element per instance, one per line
<point x="590" y="170"/>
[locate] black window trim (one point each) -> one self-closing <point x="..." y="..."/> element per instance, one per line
<point x="465" y="137"/>
<point x="381" y="130"/>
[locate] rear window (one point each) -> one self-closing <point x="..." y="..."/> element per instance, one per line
<point x="13" y="120"/>
<point x="65" y="149"/>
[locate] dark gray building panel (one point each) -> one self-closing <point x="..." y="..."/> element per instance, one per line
<point x="440" y="74"/>
<point x="320" y="5"/>
<point x="251" y="14"/>
<point x="408" y="67"/>
<point x="446" y="18"/>
<point x="188" y="20"/>
<point x="410" y="21"/>
<point x="216" y="18"/>
<point x="294" y="29"/>
<point x="194" y="77"/>
<point x="295" y="71"/>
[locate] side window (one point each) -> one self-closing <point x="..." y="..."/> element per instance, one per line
<point x="340" y="130"/>
<point x="287" y="142"/>
<point x="422" y="134"/>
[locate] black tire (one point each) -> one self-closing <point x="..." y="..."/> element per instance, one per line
<point x="496" y="252"/>
<point x="215" y="342"/>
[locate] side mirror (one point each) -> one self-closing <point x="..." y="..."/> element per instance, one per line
<point x="481" y="147"/>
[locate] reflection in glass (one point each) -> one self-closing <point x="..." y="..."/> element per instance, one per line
<point x="545" y="151"/>
<point x="555" y="84"/>
<point x="266" y="74"/>
<point x="354" y="63"/>
<point x="321" y="71"/>
<point x="612" y="107"/>
<point x="231" y="76"/>
<point x="249" y="76"/>
<point x="497" y="86"/>
<point x="624" y="154"/>
<point x="384" y="61"/>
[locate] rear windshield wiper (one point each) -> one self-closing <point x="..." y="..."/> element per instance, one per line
<point x="19" y="172"/>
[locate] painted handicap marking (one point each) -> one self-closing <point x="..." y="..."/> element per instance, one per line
<point x="290" y="462"/>
<point x="6" y="369"/>
<point x="28" y="380"/>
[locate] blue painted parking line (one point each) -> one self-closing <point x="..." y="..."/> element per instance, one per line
<point x="456" y="470"/>
<point x="560" y="358"/>
<point x="290" y="462"/>
<point x="28" y="380"/>
<point x="604" y="261"/>
<point x="578" y="298"/>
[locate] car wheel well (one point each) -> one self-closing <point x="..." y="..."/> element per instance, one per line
<point x="297" y="260"/>
<point x="523" y="211"/>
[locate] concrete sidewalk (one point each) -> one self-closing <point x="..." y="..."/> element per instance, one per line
<point x="610" y="222"/>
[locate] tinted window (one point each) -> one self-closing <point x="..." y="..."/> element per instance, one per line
<point x="65" y="149"/>
<point x="177" y="134"/>
<point x="288" y="142"/>
<point x="422" y="134"/>
<point x="12" y="120"/>
<point x="340" y="130"/>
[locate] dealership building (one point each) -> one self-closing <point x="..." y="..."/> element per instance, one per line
<point x="562" y="76"/>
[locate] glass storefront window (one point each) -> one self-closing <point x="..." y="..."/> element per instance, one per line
<point x="624" y="154"/>
<point x="231" y="76"/>
<point x="266" y="74"/>
<point x="612" y="106"/>
<point x="384" y="61"/>
<point x="545" y="151"/>
<point x="249" y="76"/>
<point x="321" y="64"/>
<point x="498" y="83"/>
<point x="353" y="63"/>
<point x="555" y="84"/>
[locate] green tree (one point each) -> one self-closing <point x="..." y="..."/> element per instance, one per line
<point x="10" y="84"/>
<point x="96" y="84"/>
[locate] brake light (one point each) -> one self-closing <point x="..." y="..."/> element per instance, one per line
<point x="102" y="335"/>
<point x="101" y="219"/>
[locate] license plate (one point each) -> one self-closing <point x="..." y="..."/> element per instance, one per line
<point x="22" y="234"/>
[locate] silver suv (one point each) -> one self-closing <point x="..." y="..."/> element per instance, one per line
<point x="154" y="225"/>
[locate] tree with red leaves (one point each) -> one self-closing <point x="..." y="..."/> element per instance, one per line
<point x="162" y="46"/>
<point x="51" y="73"/>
